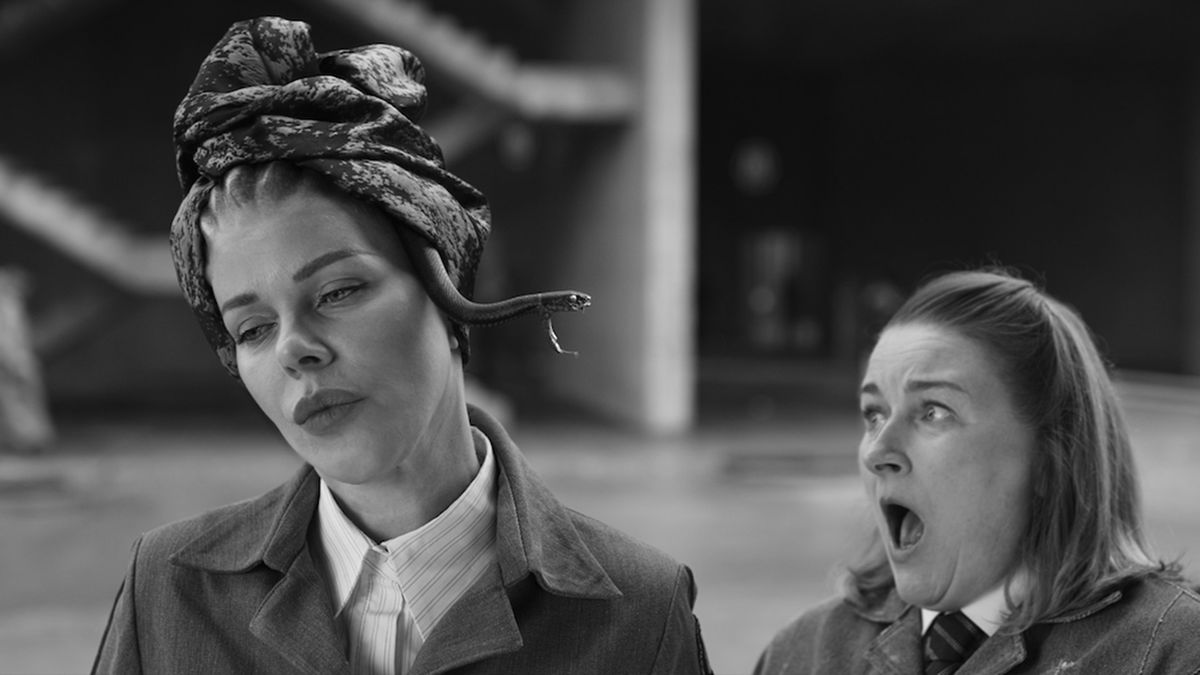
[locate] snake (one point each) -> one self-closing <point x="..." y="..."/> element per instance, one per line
<point x="446" y="296"/>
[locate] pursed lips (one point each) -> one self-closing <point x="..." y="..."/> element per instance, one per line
<point x="320" y="401"/>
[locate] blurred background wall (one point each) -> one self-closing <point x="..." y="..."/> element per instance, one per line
<point x="745" y="187"/>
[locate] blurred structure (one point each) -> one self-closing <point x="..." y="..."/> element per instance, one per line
<point x="905" y="139"/>
<point x="25" y="426"/>
<point x="574" y="118"/>
<point x="741" y="186"/>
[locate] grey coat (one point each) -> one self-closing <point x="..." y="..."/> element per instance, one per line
<point x="235" y="591"/>
<point x="1150" y="626"/>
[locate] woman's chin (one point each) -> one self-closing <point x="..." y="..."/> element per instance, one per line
<point x="919" y="592"/>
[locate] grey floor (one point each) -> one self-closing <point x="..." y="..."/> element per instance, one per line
<point x="762" y="508"/>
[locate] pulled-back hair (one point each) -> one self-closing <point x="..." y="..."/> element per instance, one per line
<point x="1086" y="534"/>
<point x="248" y="184"/>
<point x="270" y="182"/>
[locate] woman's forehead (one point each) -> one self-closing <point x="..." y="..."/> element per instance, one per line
<point x="289" y="232"/>
<point x="914" y="355"/>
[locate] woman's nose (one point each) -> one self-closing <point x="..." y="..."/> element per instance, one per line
<point x="300" y="349"/>
<point x="884" y="453"/>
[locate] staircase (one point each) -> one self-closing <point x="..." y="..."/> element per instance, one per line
<point x="568" y="93"/>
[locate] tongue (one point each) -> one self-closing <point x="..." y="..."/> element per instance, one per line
<point x="911" y="529"/>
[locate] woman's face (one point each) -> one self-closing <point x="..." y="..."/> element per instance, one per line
<point x="946" y="460"/>
<point x="337" y="341"/>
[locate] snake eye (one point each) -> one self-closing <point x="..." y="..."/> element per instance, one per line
<point x="574" y="298"/>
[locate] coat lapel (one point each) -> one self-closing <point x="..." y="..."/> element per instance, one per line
<point x="294" y="617"/>
<point x="1001" y="653"/>
<point x="295" y="620"/>
<point x="897" y="650"/>
<point x="478" y="626"/>
<point x="535" y="538"/>
<point x="997" y="655"/>
<point x="535" y="534"/>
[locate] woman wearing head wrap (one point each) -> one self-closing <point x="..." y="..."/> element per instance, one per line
<point x="329" y="257"/>
<point x="1000" y="477"/>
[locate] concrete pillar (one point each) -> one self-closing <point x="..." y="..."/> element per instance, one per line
<point x="24" y="420"/>
<point x="631" y="221"/>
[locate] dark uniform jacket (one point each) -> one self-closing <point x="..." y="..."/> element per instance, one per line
<point x="235" y="590"/>
<point x="1150" y="626"/>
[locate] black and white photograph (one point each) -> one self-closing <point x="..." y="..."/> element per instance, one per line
<point x="599" y="337"/>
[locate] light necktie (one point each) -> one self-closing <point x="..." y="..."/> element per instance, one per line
<point x="949" y="641"/>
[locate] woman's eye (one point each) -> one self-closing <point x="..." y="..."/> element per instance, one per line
<point x="872" y="417"/>
<point x="935" y="413"/>
<point x="338" y="294"/>
<point x="252" y="334"/>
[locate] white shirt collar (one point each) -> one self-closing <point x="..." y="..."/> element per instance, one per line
<point x="422" y="561"/>
<point x="987" y="611"/>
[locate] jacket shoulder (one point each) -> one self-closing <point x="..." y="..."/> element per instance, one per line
<point x="1173" y="609"/>
<point x="1150" y="627"/>
<point x="1162" y="601"/>
<point x="806" y="627"/>
<point x="166" y="539"/>
<point x="657" y="594"/>
<point x="1184" y="598"/>
<point x="248" y="520"/>
<point x="828" y="637"/>
<point x="630" y="562"/>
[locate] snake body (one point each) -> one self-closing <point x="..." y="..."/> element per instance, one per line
<point x="432" y="270"/>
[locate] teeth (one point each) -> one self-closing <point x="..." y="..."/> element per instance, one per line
<point x="911" y="530"/>
<point x="905" y="527"/>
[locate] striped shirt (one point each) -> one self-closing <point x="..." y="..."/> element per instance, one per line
<point x="387" y="597"/>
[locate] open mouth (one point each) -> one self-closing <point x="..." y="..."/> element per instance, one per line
<point x="904" y="526"/>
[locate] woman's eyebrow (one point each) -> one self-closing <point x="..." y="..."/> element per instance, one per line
<point x="310" y="268"/>
<point x="925" y="385"/>
<point x="240" y="300"/>
<point x="870" y="388"/>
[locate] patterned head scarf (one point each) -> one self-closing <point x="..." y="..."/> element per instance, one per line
<point x="264" y="94"/>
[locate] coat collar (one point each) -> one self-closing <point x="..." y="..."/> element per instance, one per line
<point x="535" y="533"/>
<point x="897" y="648"/>
<point x="294" y="618"/>
<point x="1091" y="609"/>
<point x="269" y="530"/>
<point x="896" y="651"/>
<point x="891" y="608"/>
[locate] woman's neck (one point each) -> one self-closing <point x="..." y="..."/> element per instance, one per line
<point x="434" y="473"/>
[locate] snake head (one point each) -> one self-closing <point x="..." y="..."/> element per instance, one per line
<point x="567" y="301"/>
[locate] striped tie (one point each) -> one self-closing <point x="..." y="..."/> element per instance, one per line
<point x="949" y="641"/>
